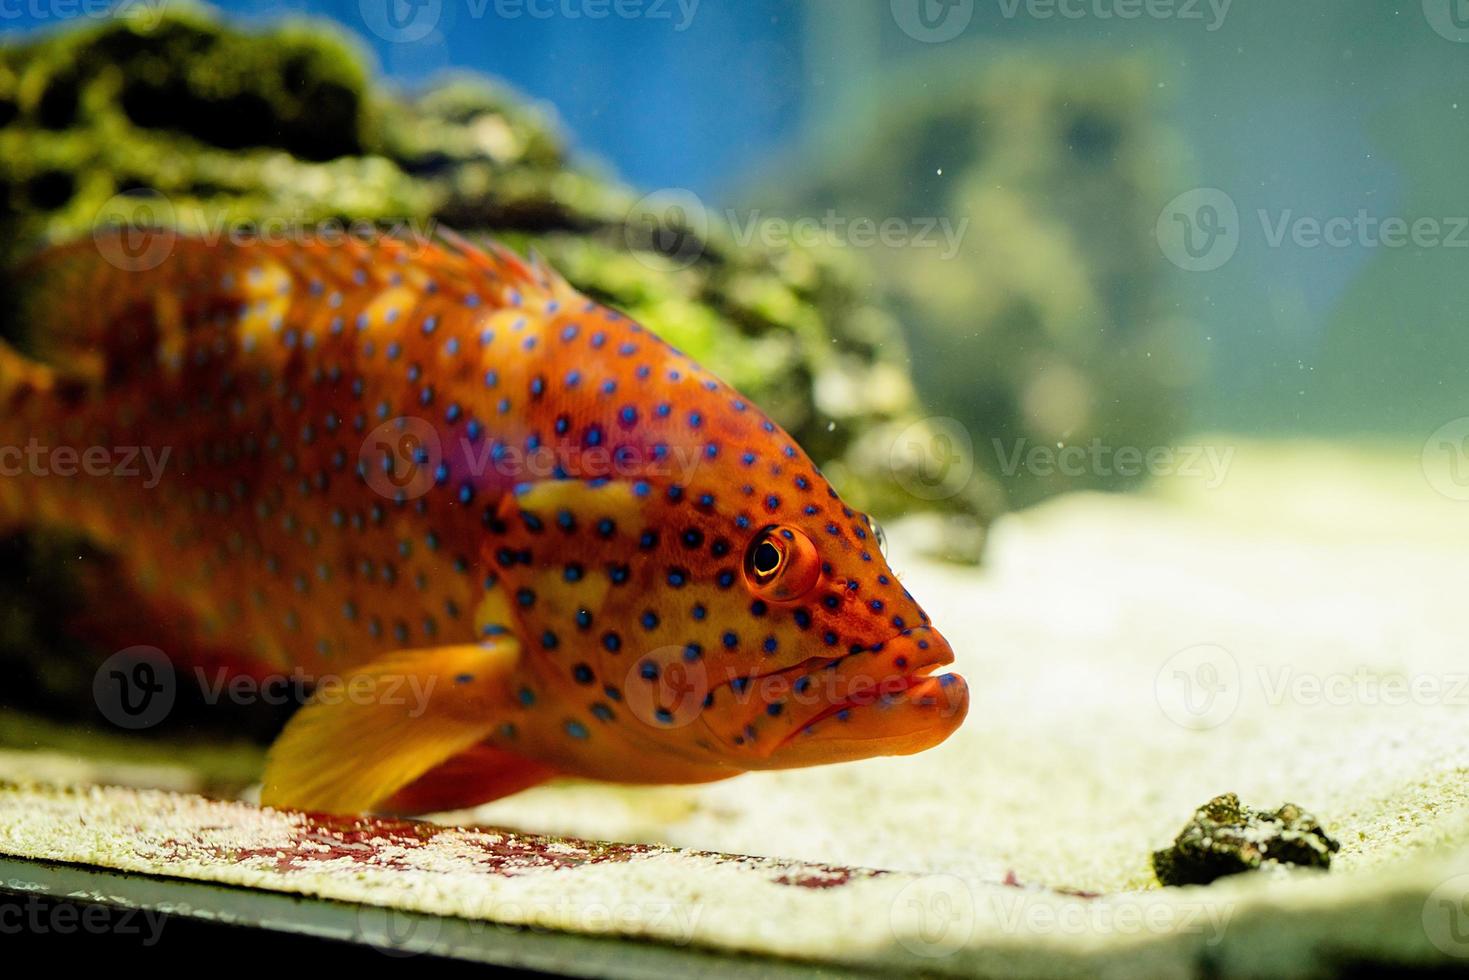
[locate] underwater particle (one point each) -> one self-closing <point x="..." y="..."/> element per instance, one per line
<point x="1225" y="838"/>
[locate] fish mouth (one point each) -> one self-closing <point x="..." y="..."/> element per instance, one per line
<point x="886" y="700"/>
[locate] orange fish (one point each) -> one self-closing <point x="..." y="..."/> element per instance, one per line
<point x="507" y="532"/>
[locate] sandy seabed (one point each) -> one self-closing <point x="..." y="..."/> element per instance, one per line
<point x="1294" y="633"/>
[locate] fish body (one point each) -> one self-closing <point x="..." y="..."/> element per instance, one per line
<point x="507" y="531"/>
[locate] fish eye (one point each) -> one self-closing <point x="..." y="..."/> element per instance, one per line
<point x="781" y="564"/>
<point x="766" y="559"/>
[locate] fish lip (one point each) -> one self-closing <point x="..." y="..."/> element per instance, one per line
<point x="915" y="675"/>
<point x="834" y="663"/>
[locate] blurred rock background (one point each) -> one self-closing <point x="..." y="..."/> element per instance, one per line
<point x="1046" y="324"/>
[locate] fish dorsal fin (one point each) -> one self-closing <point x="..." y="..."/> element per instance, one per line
<point x="107" y="306"/>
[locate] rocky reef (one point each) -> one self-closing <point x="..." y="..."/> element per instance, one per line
<point x="1037" y="320"/>
<point x="1224" y="837"/>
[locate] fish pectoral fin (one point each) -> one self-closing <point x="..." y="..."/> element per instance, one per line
<point x="477" y="775"/>
<point x="366" y="735"/>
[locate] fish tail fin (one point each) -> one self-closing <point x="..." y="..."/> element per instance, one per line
<point x="22" y="381"/>
<point x="27" y="390"/>
<point x="100" y="305"/>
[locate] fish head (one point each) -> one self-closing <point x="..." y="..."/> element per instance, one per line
<point x="815" y="652"/>
<point x="722" y="611"/>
